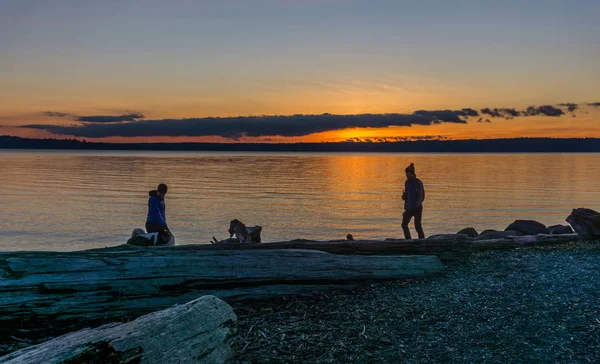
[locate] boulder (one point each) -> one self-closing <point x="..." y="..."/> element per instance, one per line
<point x="528" y="227"/>
<point x="495" y="234"/>
<point x="585" y="222"/>
<point x="470" y="232"/>
<point x="560" y="229"/>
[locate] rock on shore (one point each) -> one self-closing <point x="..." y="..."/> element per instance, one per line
<point x="586" y="222"/>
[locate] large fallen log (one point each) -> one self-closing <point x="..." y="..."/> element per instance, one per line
<point x="447" y="247"/>
<point x="521" y="241"/>
<point x="196" y="332"/>
<point x="42" y="289"/>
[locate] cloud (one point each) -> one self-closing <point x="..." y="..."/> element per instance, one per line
<point x="57" y="114"/>
<point x="547" y="110"/>
<point x="436" y="116"/>
<point x="110" y="119"/>
<point x="466" y="112"/>
<point x="570" y="106"/>
<point x="507" y="113"/>
<point x="492" y="113"/>
<point x="251" y="126"/>
<point x="131" y="125"/>
<point x="510" y="113"/>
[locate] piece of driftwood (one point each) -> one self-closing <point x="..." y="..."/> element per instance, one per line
<point x="199" y="331"/>
<point x="585" y="222"/>
<point x="521" y="241"/>
<point x="560" y="229"/>
<point x="38" y="289"/>
<point x="447" y="247"/>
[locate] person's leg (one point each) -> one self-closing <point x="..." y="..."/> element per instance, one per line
<point x="418" y="216"/>
<point x="163" y="234"/>
<point x="406" y="216"/>
<point x="153" y="228"/>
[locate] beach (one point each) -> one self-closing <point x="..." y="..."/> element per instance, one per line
<point x="534" y="304"/>
<point x="524" y="305"/>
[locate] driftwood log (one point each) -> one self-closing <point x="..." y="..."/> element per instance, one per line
<point x="521" y="241"/>
<point x="447" y="247"/>
<point x="41" y="290"/>
<point x="450" y="248"/>
<point x="196" y="332"/>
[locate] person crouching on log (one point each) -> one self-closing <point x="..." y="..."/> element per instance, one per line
<point x="413" y="196"/>
<point x="156" y="222"/>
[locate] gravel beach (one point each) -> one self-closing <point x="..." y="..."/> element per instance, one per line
<point x="522" y="305"/>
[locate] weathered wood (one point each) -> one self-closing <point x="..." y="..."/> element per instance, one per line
<point x="560" y="229"/>
<point x="199" y="331"/>
<point x="51" y="287"/>
<point x="447" y="247"/>
<point x="521" y="241"/>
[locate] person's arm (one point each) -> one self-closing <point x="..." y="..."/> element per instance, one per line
<point x="421" y="195"/>
<point x="155" y="212"/>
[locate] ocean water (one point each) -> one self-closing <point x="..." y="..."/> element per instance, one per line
<point x="62" y="200"/>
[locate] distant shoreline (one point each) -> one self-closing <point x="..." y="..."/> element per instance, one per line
<point x="516" y="145"/>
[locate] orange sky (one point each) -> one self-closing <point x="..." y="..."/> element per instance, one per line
<point x="196" y="59"/>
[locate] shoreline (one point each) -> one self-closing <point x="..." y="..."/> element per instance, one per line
<point x="491" y="306"/>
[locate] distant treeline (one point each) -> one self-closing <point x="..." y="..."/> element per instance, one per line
<point x="517" y="145"/>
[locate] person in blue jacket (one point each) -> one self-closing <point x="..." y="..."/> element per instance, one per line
<point x="413" y="196"/>
<point x="156" y="222"/>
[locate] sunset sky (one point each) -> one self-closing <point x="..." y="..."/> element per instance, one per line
<point x="188" y="70"/>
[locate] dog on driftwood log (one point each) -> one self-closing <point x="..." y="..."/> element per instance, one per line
<point x="237" y="228"/>
<point x="243" y="234"/>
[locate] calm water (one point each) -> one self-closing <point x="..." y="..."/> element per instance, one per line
<point x="72" y="200"/>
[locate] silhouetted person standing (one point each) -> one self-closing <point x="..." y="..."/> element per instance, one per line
<point x="156" y="222"/>
<point x="413" y="196"/>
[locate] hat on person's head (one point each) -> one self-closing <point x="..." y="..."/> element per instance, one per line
<point x="162" y="188"/>
<point x="410" y="168"/>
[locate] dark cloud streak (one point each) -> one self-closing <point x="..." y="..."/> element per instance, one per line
<point x="131" y="125"/>
<point x="547" y="110"/>
<point x="251" y="126"/>
<point x="570" y="106"/>
<point x="507" y="113"/>
<point x="110" y="119"/>
<point x="57" y="114"/>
